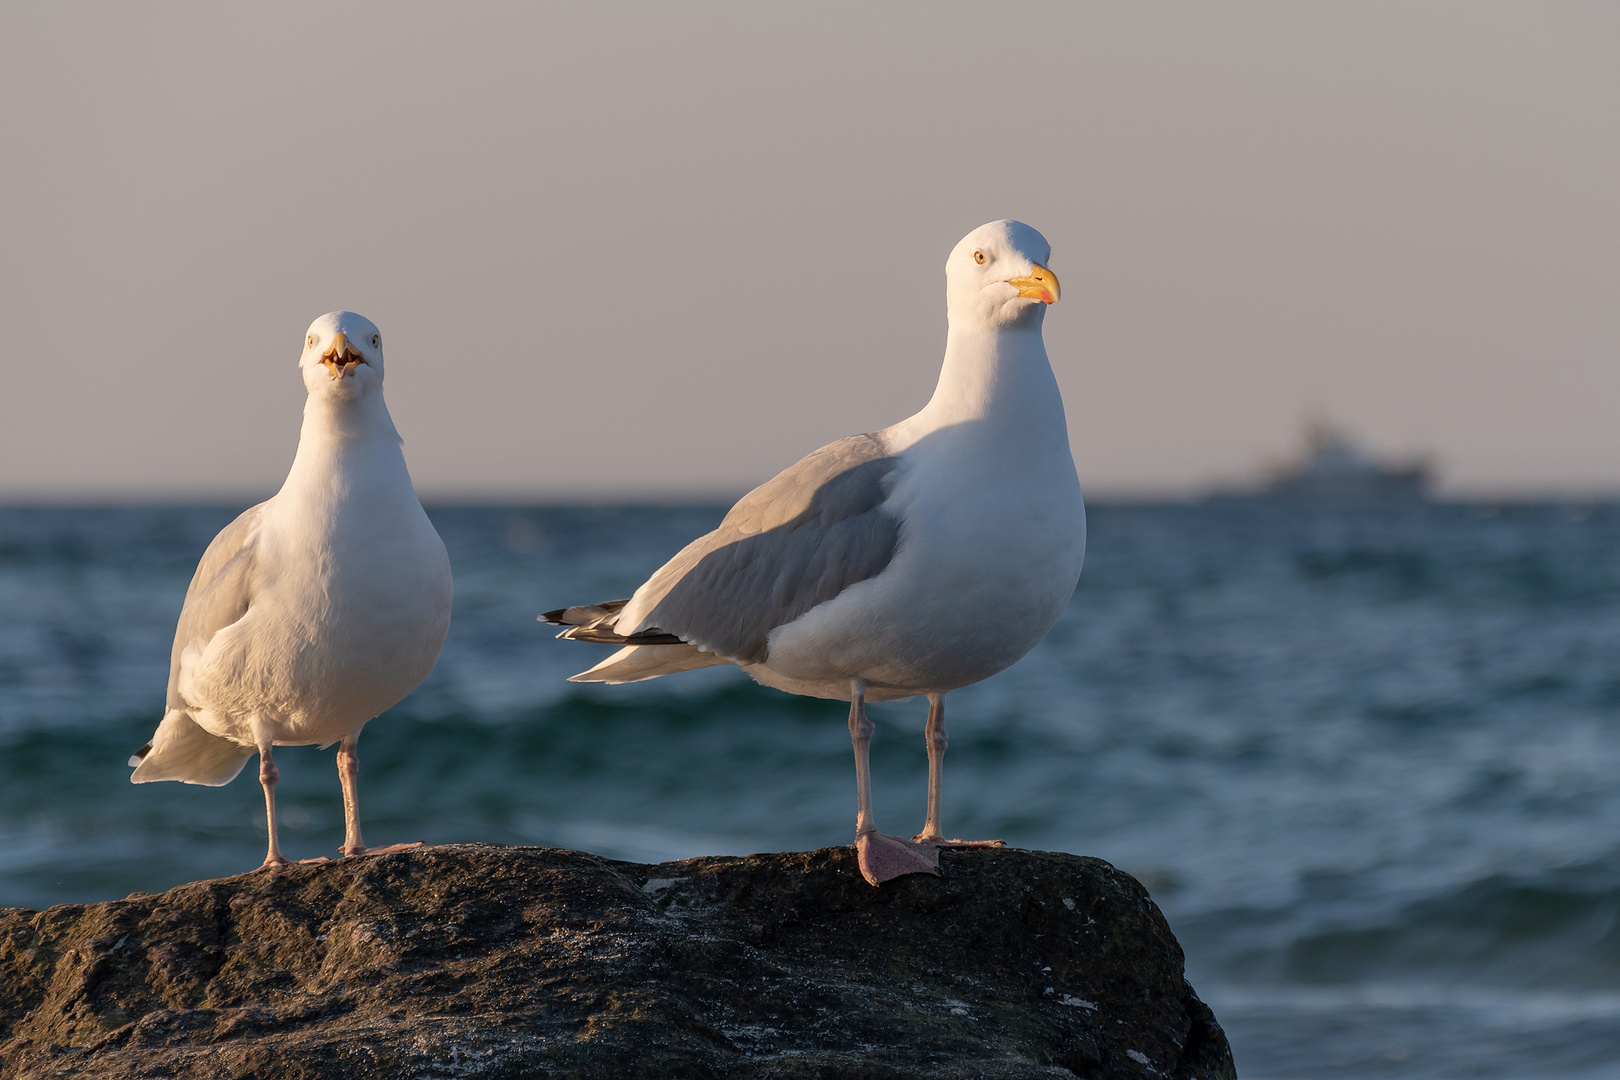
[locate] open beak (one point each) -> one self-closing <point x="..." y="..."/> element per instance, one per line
<point x="341" y="358"/>
<point x="1041" y="284"/>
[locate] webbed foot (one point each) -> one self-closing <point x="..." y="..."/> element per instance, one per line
<point x="884" y="858"/>
<point x="938" y="841"/>
<point x="349" y="852"/>
<point x="278" y="861"/>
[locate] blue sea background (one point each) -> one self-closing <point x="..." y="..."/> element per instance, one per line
<point x="1365" y="756"/>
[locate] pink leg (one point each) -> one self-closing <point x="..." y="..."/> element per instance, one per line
<point x="882" y="858"/>
<point x="937" y="741"/>
<point x="348" y="759"/>
<point x="268" y="775"/>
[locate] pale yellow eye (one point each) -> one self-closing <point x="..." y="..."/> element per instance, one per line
<point x="310" y="342"/>
<point x="978" y="257"/>
<point x="376" y="341"/>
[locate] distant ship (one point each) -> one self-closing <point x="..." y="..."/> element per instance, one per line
<point x="1334" y="466"/>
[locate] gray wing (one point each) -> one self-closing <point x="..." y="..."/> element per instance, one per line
<point x="220" y="592"/>
<point x="796" y="541"/>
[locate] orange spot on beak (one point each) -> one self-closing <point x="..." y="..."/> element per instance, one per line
<point x="1041" y="284"/>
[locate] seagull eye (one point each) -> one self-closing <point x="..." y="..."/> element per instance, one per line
<point x="310" y="341"/>
<point x="376" y="341"/>
<point x="978" y="257"/>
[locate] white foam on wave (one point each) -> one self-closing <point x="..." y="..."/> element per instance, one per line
<point x="1497" y="1006"/>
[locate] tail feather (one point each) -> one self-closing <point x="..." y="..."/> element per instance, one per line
<point x="634" y="663"/>
<point x="181" y="750"/>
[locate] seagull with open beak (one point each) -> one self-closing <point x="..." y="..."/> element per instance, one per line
<point x="316" y="610"/>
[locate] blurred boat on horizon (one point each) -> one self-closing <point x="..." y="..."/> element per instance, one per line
<point x="1334" y="465"/>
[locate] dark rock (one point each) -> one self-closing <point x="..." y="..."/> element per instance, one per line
<point x="479" y="961"/>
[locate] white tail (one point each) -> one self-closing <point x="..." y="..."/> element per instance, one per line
<point x="180" y="750"/>
<point x="633" y="663"/>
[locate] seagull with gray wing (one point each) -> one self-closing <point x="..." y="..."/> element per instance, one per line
<point x="912" y="560"/>
<point x="315" y="610"/>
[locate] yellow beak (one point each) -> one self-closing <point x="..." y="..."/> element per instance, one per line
<point x="341" y="357"/>
<point x="1041" y="284"/>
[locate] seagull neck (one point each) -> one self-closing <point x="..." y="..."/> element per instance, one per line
<point x="992" y="374"/>
<point x="335" y="430"/>
<point x="360" y="419"/>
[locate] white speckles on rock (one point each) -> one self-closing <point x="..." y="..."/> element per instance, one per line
<point x="1068" y="903"/>
<point x="657" y="885"/>
<point x="1081" y="1003"/>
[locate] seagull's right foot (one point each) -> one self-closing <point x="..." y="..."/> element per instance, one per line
<point x="884" y="858"/>
<point x="350" y="852"/>
<point x="938" y="841"/>
<point x="278" y="861"/>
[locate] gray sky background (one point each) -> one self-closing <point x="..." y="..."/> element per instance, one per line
<point x="667" y="250"/>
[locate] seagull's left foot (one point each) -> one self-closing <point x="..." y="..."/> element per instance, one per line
<point x="937" y="841"/>
<point x="348" y="851"/>
<point x="884" y="858"/>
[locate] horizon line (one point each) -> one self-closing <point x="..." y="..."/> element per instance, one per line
<point x="700" y="496"/>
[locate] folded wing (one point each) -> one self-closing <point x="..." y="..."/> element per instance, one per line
<point x="220" y="593"/>
<point x="796" y="541"/>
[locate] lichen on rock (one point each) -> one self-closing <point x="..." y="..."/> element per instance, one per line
<point x="481" y="961"/>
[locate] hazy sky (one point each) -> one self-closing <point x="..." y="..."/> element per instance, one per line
<point x="658" y="250"/>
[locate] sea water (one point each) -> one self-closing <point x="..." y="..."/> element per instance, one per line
<point x="1365" y="757"/>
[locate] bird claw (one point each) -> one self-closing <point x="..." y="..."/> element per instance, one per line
<point x="281" y="862"/>
<point x="884" y="858"/>
<point x="386" y="849"/>
<point x="938" y="841"/>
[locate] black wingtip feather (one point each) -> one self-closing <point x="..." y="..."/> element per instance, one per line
<point x="587" y="623"/>
<point x="651" y="636"/>
<point x="584" y="614"/>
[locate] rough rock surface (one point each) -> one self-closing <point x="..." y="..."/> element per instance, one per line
<point x="481" y="961"/>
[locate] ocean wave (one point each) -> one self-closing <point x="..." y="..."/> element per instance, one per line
<point x="1496" y="1007"/>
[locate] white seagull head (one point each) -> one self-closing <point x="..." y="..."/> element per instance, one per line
<point x="997" y="277"/>
<point x="342" y="356"/>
